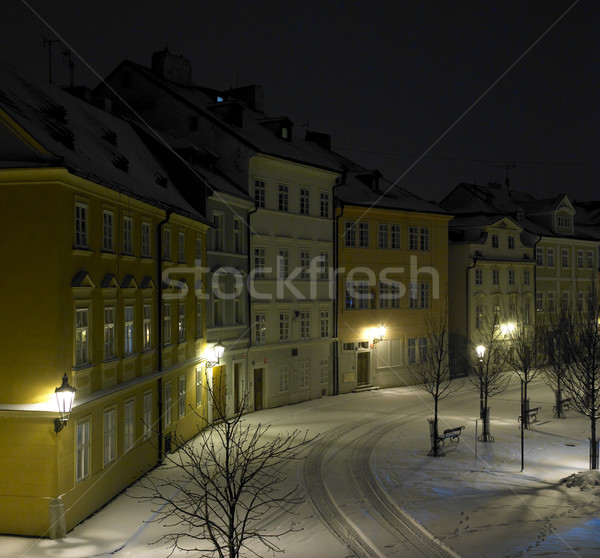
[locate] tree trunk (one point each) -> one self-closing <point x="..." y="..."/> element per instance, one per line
<point x="593" y="445"/>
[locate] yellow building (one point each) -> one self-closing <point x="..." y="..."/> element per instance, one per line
<point x="392" y="265"/>
<point x="90" y="221"/>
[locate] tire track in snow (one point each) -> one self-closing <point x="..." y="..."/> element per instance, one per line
<point x="378" y="505"/>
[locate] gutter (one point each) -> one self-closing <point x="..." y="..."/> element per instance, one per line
<point x="159" y="329"/>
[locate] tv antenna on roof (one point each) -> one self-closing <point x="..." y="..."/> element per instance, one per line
<point x="48" y="44"/>
<point x="507" y="166"/>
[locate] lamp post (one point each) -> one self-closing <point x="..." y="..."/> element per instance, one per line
<point x="65" y="394"/>
<point x="480" y="350"/>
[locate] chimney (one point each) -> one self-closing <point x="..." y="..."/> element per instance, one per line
<point x="252" y="95"/>
<point x="320" y="138"/>
<point x="171" y="67"/>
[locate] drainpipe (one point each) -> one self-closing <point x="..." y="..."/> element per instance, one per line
<point x="159" y="289"/>
<point x="336" y="364"/>
<point x="535" y="277"/>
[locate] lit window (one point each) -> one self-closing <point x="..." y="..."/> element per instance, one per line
<point x="147" y="326"/>
<point x="181" y="323"/>
<point x="478" y="316"/>
<point x="259" y="328"/>
<point x="109" y="332"/>
<point x="128" y="337"/>
<point x="81" y="336"/>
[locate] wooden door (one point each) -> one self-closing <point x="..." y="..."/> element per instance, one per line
<point x="362" y="368"/>
<point x="258" y="389"/>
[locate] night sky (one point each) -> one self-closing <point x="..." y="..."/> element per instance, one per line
<point x="386" y="79"/>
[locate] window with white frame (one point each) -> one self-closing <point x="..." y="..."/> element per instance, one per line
<point x="550" y="301"/>
<point x="284" y="326"/>
<point x="147" y="326"/>
<point x="539" y="255"/>
<point x="324" y="266"/>
<point x="282" y="200"/>
<point x="81" y="225"/>
<point x="411" y="352"/>
<point x="511" y="276"/>
<point x="395" y="237"/>
<point x="181" y="399"/>
<point x="168" y="405"/>
<point x="237" y="236"/>
<point x="217" y="232"/>
<point x="565" y="257"/>
<point x="479" y="276"/>
<point x="539" y="301"/>
<point x="147" y="417"/>
<point x="422" y="349"/>
<point x="259" y="192"/>
<point x="324" y="370"/>
<point x="590" y="259"/>
<point x="304" y="264"/>
<point x="324" y="323"/>
<point x="128" y="425"/>
<point x="304" y="325"/>
<point x="564" y="221"/>
<point x="167" y="323"/>
<point x="259" y="328"/>
<point x="324" y="208"/>
<point x="110" y="436"/>
<point x="394" y="294"/>
<point x="181" y="323"/>
<point x="181" y="247"/>
<point x="349" y="234"/>
<point x="166" y="244"/>
<point x="526" y="277"/>
<point x="511" y="242"/>
<point x="283" y="263"/>
<point x="478" y="316"/>
<point x="357" y="295"/>
<point x="259" y="262"/>
<point x="109" y="332"/>
<point x="413" y="238"/>
<point x="128" y="332"/>
<point x="495" y="276"/>
<point x="383" y="235"/>
<point x="283" y="378"/>
<point x="424" y="295"/>
<point x="494" y="241"/>
<point x="304" y="374"/>
<point x="424" y="238"/>
<point x="304" y="201"/>
<point x="384" y="294"/>
<point x="146" y="242"/>
<point x="127" y="234"/>
<point x="108" y="231"/>
<point x="363" y="235"/>
<point x="550" y="257"/>
<point x="82" y="336"/>
<point x="413" y="295"/>
<point x="579" y="259"/>
<point x="82" y="451"/>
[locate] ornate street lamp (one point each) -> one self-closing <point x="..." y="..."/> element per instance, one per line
<point x="218" y="349"/>
<point x="64" y="399"/>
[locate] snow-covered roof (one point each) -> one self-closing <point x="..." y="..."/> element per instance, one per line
<point x="89" y="142"/>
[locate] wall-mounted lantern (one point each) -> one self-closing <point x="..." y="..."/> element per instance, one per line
<point x="379" y="334"/>
<point x="218" y="350"/>
<point x="64" y="399"/>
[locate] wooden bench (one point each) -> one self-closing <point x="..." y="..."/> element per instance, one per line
<point x="565" y="405"/>
<point x="451" y="433"/>
<point x="531" y="415"/>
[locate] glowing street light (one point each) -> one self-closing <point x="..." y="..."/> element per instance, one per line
<point x="65" y="394"/>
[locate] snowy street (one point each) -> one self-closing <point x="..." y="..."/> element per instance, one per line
<point x="371" y="490"/>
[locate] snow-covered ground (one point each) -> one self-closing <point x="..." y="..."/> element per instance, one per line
<point x="371" y="490"/>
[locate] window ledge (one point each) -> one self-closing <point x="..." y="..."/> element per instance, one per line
<point x="82" y="251"/>
<point x="128" y="257"/>
<point x="108" y="255"/>
<point x="80" y="367"/>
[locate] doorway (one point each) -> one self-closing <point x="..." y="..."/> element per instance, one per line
<point x="258" y="389"/>
<point x="362" y="368"/>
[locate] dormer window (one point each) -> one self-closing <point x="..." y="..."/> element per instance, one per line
<point x="564" y="221"/>
<point x="285" y="133"/>
<point x="520" y="216"/>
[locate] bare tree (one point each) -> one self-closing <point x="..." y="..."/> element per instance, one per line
<point x="556" y="371"/>
<point x="487" y="368"/>
<point x="431" y="369"/>
<point x="581" y="341"/>
<point x="212" y="492"/>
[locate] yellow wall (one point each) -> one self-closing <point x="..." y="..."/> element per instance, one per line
<point x="37" y="344"/>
